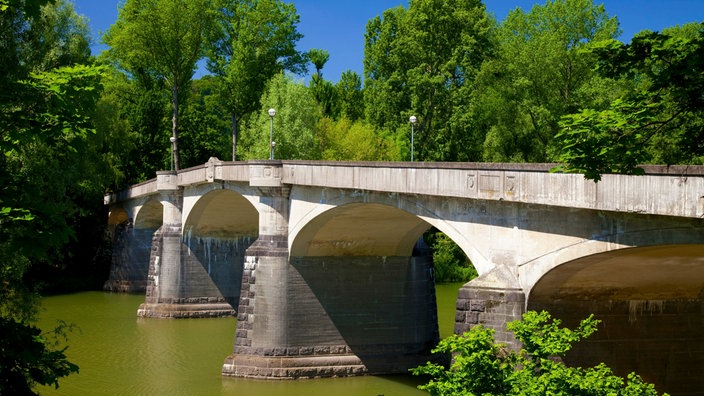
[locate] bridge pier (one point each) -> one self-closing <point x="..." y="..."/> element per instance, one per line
<point x="307" y="317"/>
<point x="177" y="288"/>
<point x="492" y="300"/>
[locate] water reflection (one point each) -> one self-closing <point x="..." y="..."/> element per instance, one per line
<point x="119" y="354"/>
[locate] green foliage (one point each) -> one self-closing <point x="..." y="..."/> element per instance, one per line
<point x="538" y="74"/>
<point x="479" y="366"/>
<point x="293" y="126"/>
<point x="350" y="96"/>
<point x="204" y="126"/>
<point x="659" y="119"/>
<point x="345" y="140"/>
<point x="449" y="261"/>
<point x="26" y="359"/>
<point x="482" y="367"/>
<point x="423" y="61"/>
<point x="50" y="165"/>
<point x="132" y="116"/>
<point x="251" y="42"/>
<point x="608" y="141"/>
<point x="319" y="57"/>
<point x="165" y="39"/>
<point x="59" y="37"/>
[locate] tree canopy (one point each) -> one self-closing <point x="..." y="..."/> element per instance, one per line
<point x="165" y="39"/>
<point x="50" y="161"/>
<point x="252" y="42"/>
<point x="659" y="119"/>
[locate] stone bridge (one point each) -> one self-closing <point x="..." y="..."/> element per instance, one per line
<point x="324" y="266"/>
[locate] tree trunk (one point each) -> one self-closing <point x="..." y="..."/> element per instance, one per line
<point x="174" y="127"/>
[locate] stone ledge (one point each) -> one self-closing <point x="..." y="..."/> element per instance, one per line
<point x="177" y="311"/>
<point x="260" y="367"/>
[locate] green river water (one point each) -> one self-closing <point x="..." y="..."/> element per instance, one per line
<point x="119" y="354"/>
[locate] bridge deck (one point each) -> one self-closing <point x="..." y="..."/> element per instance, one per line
<point x="663" y="190"/>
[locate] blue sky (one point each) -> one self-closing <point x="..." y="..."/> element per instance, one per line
<point x="338" y="25"/>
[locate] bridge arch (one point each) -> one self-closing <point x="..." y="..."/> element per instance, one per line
<point x="626" y="231"/>
<point x="356" y="269"/>
<point x="360" y="229"/>
<point x="132" y="230"/>
<point x="219" y="226"/>
<point x="220" y="213"/>
<point x="650" y="300"/>
<point x="150" y="215"/>
<point x="116" y="216"/>
<point x="316" y="207"/>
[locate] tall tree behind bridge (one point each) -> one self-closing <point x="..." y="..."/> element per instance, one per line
<point x="658" y="119"/>
<point x="539" y="73"/>
<point x="422" y="61"/>
<point x="165" y="38"/>
<point x="253" y="40"/>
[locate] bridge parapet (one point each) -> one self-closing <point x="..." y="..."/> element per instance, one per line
<point x="662" y="190"/>
<point x="667" y="191"/>
<point x="138" y="190"/>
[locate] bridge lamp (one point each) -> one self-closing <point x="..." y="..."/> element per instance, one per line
<point x="272" y="113"/>
<point x="413" y="120"/>
<point x="172" y="140"/>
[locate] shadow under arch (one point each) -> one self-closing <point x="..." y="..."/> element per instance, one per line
<point x="422" y="209"/>
<point x="651" y="304"/>
<point x="216" y="234"/>
<point x="132" y="243"/>
<point x="360" y="229"/>
<point x="361" y="279"/>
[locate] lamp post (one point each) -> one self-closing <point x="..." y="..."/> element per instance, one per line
<point x="413" y="120"/>
<point x="172" y="140"/>
<point x="272" y="113"/>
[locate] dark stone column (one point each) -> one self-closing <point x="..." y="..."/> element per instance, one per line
<point x="491" y="300"/>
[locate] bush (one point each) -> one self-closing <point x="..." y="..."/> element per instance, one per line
<point x="482" y="367"/>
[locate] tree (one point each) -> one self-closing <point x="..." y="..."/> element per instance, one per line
<point x="449" y="261"/>
<point x="59" y="37"/>
<point x="319" y="57"/>
<point x="539" y="72"/>
<point x="323" y="91"/>
<point x="350" y="96"/>
<point x="346" y="140"/>
<point x="659" y="119"/>
<point x="204" y="125"/>
<point x="49" y="162"/>
<point x="133" y="117"/>
<point x="422" y="61"/>
<point x="294" y="124"/>
<point x="482" y="367"/>
<point x="253" y="41"/>
<point x="164" y="38"/>
<point x="27" y="359"/>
